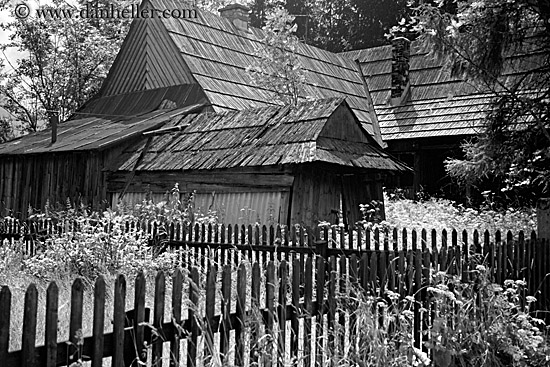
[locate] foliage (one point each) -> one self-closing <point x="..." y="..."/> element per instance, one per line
<point x="278" y="67"/>
<point x="383" y="327"/>
<point x="64" y="61"/>
<point x="214" y="5"/>
<point x="477" y="39"/>
<point x="446" y="214"/>
<point x="479" y="323"/>
<point x="372" y="212"/>
<point x="172" y="209"/>
<point x="88" y="245"/>
<point x="6" y="129"/>
<point x="337" y="25"/>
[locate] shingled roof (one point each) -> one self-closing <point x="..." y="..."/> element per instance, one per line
<point x="91" y="134"/>
<point x="438" y="103"/>
<point x="212" y="52"/>
<point x="261" y="137"/>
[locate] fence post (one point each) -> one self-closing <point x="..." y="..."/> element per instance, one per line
<point x="543" y="218"/>
<point x="321" y="247"/>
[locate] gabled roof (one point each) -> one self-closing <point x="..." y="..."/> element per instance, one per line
<point x="438" y="104"/>
<point x="261" y="137"/>
<point x="211" y="52"/>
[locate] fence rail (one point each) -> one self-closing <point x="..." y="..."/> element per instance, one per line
<point x="288" y="285"/>
<point x="284" y="308"/>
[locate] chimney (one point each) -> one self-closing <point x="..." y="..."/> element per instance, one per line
<point x="237" y="14"/>
<point x="54" y="121"/>
<point x="400" y="84"/>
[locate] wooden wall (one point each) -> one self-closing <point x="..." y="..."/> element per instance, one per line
<point x="239" y="195"/>
<point x="320" y="191"/>
<point x="427" y="157"/>
<point x="301" y="194"/>
<point x="32" y="180"/>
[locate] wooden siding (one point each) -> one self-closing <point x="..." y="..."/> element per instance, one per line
<point x="32" y="180"/>
<point x="343" y="125"/>
<point x="246" y="207"/>
<point x="238" y="195"/>
<point x="305" y="193"/>
<point x="233" y="180"/>
<point x="320" y="191"/>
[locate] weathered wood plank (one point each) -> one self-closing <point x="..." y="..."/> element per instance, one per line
<point x="75" y="326"/>
<point x="270" y="308"/>
<point x="255" y="303"/>
<point x="240" y="315"/>
<point x="194" y="292"/>
<point x="308" y="310"/>
<point x="50" y="336"/>
<point x="158" y="317"/>
<point x="295" y="318"/>
<point x="225" y="326"/>
<point x="28" y="348"/>
<point x="118" y="322"/>
<point x="210" y="308"/>
<point x="320" y="288"/>
<point x="99" y="322"/>
<point x="177" y="293"/>
<point x="282" y="315"/>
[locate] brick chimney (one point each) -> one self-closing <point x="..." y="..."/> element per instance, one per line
<point x="237" y="14"/>
<point x="400" y="84"/>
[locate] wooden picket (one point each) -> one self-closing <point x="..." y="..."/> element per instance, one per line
<point x="282" y="304"/>
<point x="305" y="272"/>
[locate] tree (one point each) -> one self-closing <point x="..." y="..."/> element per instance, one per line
<point x="65" y="62"/>
<point x="503" y="46"/>
<point x="278" y="67"/>
<point x="336" y="25"/>
<point x="6" y="130"/>
<point x="341" y="25"/>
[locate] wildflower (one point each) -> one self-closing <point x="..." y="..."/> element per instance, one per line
<point x="423" y="357"/>
<point x="408" y="314"/>
<point x="409" y="298"/>
<point x="392" y="295"/>
<point x="508" y="283"/>
<point x="520" y="283"/>
<point x="530" y="299"/>
<point x="481" y="268"/>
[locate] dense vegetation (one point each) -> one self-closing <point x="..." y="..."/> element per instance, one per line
<point x="441" y="214"/>
<point x="475" y="323"/>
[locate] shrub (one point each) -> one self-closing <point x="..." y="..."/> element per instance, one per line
<point x="483" y="324"/>
<point x="447" y="214"/>
<point x="89" y="245"/>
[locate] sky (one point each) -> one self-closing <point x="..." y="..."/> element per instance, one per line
<point x="7" y="16"/>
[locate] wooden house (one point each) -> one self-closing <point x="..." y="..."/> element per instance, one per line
<point x="165" y="69"/>
<point x="299" y="164"/>
<point x="424" y="112"/>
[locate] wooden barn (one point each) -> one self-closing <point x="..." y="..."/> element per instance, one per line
<point x="165" y="68"/>
<point x="273" y="164"/>
<point x="425" y="113"/>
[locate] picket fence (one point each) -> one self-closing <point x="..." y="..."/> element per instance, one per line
<point x="293" y="276"/>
